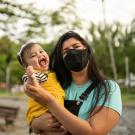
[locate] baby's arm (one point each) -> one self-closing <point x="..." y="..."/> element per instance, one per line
<point x="31" y="76"/>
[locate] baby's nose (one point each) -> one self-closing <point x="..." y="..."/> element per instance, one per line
<point x="39" y="56"/>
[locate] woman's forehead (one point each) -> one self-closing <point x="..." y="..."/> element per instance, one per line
<point x="71" y="42"/>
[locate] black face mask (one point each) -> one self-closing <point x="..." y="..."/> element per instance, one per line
<point x="76" y="59"/>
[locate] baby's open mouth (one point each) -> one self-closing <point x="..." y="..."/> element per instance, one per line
<point x="43" y="62"/>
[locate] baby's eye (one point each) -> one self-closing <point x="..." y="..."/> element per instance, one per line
<point x="33" y="55"/>
<point x="41" y="51"/>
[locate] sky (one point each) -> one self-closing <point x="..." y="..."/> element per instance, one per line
<point x="116" y="10"/>
<point x="91" y="10"/>
<point x="88" y="11"/>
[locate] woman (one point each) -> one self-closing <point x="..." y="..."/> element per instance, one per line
<point x="73" y="62"/>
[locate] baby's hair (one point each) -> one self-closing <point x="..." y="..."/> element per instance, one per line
<point x="23" y="48"/>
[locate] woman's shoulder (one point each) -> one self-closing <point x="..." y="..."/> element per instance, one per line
<point x="112" y="85"/>
<point x="114" y="96"/>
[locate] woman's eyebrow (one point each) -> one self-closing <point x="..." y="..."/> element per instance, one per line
<point x="75" y="44"/>
<point x="71" y="45"/>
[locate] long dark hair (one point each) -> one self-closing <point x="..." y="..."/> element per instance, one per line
<point x="64" y="75"/>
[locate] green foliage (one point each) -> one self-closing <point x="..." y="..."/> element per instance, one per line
<point x="57" y="18"/>
<point x="48" y="47"/>
<point x="120" y="61"/>
<point x="35" y="21"/>
<point x="8" y="51"/>
<point x="16" y="73"/>
<point x="99" y="44"/>
<point x="123" y="44"/>
<point x="2" y="67"/>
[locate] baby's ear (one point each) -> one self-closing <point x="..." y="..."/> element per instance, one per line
<point x="25" y="66"/>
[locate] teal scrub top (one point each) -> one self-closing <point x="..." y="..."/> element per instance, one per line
<point x="114" y="99"/>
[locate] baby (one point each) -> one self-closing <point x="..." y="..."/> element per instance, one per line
<point x="36" y="63"/>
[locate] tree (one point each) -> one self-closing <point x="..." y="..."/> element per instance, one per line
<point x="99" y="43"/>
<point x="36" y="21"/>
<point x="6" y="46"/>
<point x="109" y="44"/>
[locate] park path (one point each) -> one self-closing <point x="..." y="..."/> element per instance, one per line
<point x="126" y="125"/>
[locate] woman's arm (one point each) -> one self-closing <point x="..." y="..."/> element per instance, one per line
<point x="99" y="124"/>
<point x="47" y="123"/>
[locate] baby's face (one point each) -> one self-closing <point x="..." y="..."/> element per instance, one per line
<point x="37" y="57"/>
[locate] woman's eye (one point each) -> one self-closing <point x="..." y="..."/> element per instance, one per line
<point x="76" y="46"/>
<point x="64" y="52"/>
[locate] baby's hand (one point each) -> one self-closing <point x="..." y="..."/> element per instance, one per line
<point x="31" y="76"/>
<point x="30" y="71"/>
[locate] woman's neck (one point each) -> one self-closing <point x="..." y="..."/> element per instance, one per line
<point x="81" y="77"/>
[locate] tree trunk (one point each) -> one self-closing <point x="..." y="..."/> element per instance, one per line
<point x="111" y="52"/>
<point x="8" y="78"/>
<point x="127" y="78"/>
<point x="109" y="44"/>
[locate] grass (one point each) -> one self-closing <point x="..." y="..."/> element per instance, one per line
<point x="128" y="97"/>
<point x="6" y="94"/>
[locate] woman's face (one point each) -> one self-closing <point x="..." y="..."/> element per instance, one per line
<point x="71" y="43"/>
<point x="75" y="55"/>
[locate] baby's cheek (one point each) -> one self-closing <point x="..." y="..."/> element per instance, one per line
<point x="36" y="64"/>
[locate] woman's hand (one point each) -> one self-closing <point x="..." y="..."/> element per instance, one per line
<point x="38" y="94"/>
<point x="46" y="123"/>
<point x="38" y="124"/>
